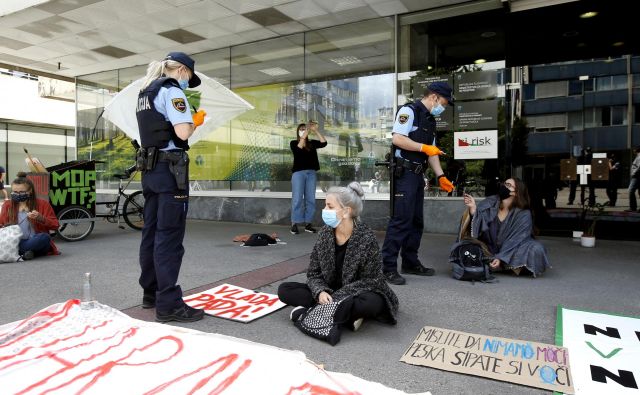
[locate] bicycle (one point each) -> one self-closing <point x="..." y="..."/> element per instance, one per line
<point x="77" y="222"/>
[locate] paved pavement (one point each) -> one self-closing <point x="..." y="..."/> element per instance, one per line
<point x="604" y="278"/>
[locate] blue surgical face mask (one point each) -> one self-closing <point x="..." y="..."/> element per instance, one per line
<point x="184" y="84"/>
<point x="437" y="110"/>
<point x="20" y="197"/>
<point x="330" y="217"/>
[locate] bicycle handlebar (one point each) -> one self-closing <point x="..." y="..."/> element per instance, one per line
<point x="130" y="170"/>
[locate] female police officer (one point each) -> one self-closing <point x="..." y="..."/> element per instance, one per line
<point x="165" y="123"/>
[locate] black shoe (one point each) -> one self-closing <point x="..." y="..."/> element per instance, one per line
<point x="294" y="229"/>
<point x="310" y="229"/>
<point x="148" y="300"/>
<point x="28" y="255"/>
<point x="181" y="314"/>
<point x="394" y="278"/>
<point x="296" y="313"/>
<point x="418" y="270"/>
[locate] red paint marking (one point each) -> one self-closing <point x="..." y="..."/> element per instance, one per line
<point x="226" y="361"/>
<point x="231" y="379"/>
<point x="70" y="347"/>
<point x="55" y="317"/>
<point x="46" y="345"/>
<point x="257" y="309"/>
<point x="103" y="370"/>
<point x="210" y="303"/>
<point x="235" y="312"/>
<point x="132" y="332"/>
<point x="311" y="389"/>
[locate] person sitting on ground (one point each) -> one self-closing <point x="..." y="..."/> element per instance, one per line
<point x="34" y="216"/>
<point x="345" y="261"/>
<point x="504" y="223"/>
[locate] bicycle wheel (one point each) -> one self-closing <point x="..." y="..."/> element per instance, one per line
<point x="133" y="210"/>
<point x="76" y="223"/>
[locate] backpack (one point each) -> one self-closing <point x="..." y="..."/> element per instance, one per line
<point x="470" y="262"/>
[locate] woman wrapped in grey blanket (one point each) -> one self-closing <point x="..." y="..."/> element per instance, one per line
<point x="504" y="223"/>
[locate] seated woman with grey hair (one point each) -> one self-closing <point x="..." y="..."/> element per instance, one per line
<point x="345" y="262"/>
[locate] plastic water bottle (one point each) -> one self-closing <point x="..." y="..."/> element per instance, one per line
<point x="86" y="288"/>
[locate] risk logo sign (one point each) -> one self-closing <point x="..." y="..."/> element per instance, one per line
<point x="476" y="145"/>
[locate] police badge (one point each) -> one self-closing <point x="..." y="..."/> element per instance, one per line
<point x="179" y="104"/>
<point x="403" y="118"/>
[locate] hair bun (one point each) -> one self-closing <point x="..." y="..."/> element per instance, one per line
<point x="355" y="186"/>
<point x="21" y="174"/>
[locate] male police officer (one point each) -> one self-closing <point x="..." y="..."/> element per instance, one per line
<point x="414" y="136"/>
<point x="165" y="123"/>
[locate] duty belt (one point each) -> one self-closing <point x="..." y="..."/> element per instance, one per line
<point x="418" y="168"/>
<point x="170" y="156"/>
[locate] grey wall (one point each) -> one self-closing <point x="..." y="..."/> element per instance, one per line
<point x="441" y="215"/>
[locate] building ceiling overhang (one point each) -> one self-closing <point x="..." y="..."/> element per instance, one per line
<point x="78" y="37"/>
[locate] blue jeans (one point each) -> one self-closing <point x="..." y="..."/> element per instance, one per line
<point x="40" y="244"/>
<point x="633" y="188"/>
<point x="303" y="202"/>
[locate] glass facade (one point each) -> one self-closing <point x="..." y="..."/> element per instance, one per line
<point x="50" y="145"/>
<point x="341" y="77"/>
<point x="350" y="78"/>
<point x="26" y="123"/>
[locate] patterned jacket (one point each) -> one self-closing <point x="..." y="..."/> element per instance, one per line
<point x="362" y="269"/>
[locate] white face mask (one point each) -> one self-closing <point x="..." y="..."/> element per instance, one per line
<point x="301" y="132"/>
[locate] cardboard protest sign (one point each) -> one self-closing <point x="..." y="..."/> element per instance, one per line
<point x="605" y="351"/>
<point x="89" y="348"/>
<point x="235" y="303"/>
<point x="529" y="363"/>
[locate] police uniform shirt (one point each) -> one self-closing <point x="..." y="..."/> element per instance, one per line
<point x="404" y="125"/>
<point x="172" y="103"/>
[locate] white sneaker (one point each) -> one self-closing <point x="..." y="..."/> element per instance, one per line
<point x="357" y="324"/>
<point x="295" y="313"/>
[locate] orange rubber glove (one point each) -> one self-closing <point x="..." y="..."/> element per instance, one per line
<point x="430" y="150"/>
<point x="198" y="118"/>
<point x="445" y="184"/>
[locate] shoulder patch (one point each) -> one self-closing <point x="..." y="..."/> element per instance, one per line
<point x="179" y="104"/>
<point x="403" y="118"/>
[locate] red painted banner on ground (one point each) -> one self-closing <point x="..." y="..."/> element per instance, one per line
<point x="89" y="348"/>
<point x="235" y="303"/>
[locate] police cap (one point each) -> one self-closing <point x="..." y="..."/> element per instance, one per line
<point x="443" y="89"/>
<point x="189" y="63"/>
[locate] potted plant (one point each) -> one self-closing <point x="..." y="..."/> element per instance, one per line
<point x="592" y="213"/>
